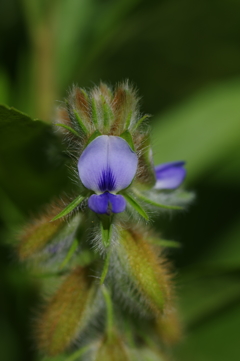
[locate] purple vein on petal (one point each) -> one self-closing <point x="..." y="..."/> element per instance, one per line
<point x="107" y="181"/>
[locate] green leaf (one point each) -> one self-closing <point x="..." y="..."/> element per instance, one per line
<point x="139" y="122"/>
<point x="212" y="309"/>
<point x="69" y="208"/>
<point x="17" y="128"/>
<point x="127" y="136"/>
<point x="72" y="19"/>
<point x="81" y="123"/>
<point x="224" y="253"/>
<point x="69" y="129"/>
<point x="202" y="293"/>
<point x="31" y="156"/>
<point x="149" y="201"/>
<point x="135" y="205"/>
<point x="5" y="87"/>
<point x="203" y="131"/>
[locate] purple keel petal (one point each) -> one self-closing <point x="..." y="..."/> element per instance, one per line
<point x="169" y="175"/>
<point x="106" y="203"/>
<point x="107" y="164"/>
<point x="118" y="203"/>
<point x="98" y="203"/>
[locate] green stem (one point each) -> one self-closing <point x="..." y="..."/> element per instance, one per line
<point x="105" y="268"/>
<point x="109" y="307"/>
<point x="71" y="251"/>
<point x="106" y="229"/>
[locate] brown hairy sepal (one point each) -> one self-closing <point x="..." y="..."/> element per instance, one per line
<point x="66" y="313"/>
<point x="146" y="269"/>
<point x="40" y="231"/>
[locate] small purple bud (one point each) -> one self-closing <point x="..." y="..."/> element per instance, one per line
<point x="170" y="175"/>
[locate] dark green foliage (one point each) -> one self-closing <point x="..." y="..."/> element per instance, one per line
<point x="31" y="155"/>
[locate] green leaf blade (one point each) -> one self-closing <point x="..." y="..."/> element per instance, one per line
<point x="81" y="123"/>
<point x="155" y="204"/>
<point x="127" y="136"/>
<point x="69" y="208"/>
<point x="28" y="152"/>
<point x="136" y="206"/>
<point x="71" y="130"/>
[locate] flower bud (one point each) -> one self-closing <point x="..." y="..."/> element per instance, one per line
<point x="66" y="313"/>
<point x="42" y="232"/>
<point x="146" y="270"/>
<point x="36" y="235"/>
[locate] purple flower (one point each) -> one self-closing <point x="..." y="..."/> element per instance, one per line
<point x="170" y="175"/>
<point x="107" y="166"/>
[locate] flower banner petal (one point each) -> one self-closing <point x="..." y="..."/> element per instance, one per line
<point x="122" y="161"/>
<point x="170" y="175"/>
<point x="107" y="164"/>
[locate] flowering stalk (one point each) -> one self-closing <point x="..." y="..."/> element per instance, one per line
<point x="98" y="249"/>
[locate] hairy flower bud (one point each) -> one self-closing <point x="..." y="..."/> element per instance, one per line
<point x="66" y="313"/>
<point x="37" y="234"/>
<point x="146" y="270"/>
<point x="43" y="238"/>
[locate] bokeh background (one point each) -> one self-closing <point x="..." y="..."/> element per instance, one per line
<point x="184" y="57"/>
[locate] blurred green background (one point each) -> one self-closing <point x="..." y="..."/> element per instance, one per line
<point x="184" y="57"/>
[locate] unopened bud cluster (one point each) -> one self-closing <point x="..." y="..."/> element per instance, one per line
<point x="108" y="285"/>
